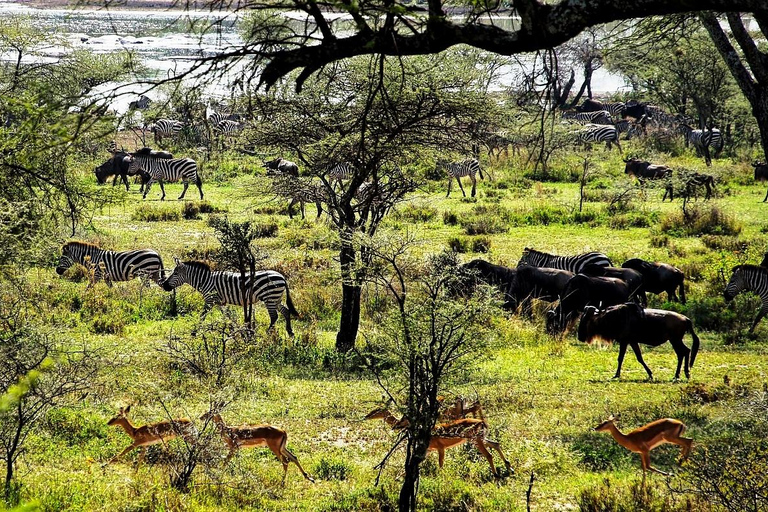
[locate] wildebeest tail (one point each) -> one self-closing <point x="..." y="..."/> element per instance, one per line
<point x="695" y="345"/>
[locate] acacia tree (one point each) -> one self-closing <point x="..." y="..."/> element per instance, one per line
<point x="375" y="114"/>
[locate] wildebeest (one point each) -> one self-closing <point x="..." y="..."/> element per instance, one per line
<point x="632" y="277"/>
<point x="630" y="325"/>
<point x="499" y="276"/>
<point x="761" y="174"/>
<point x="659" y="277"/>
<point x="538" y="283"/>
<point x="282" y="166"/>
<point x="643" y="170"/>
<point x="116" y="166"/>
<point x="582" y="291"/>
<point x="635" y="109"/>
<point x="692" y="181"/>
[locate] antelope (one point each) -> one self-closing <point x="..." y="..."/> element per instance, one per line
<point x="251" y="436"/>
<point x="644" y="439"/>
<point x="450" y="434"/>
<point x="152" y="433"/>
<point x="460" y="410"/>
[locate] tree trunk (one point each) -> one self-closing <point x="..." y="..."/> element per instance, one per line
<point x="416" y="453"/>
<point x="350" y="301"/>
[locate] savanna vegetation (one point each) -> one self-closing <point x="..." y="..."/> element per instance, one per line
<point x="384" y="320"/>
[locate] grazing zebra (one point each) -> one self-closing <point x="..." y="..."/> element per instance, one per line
<point x="165" y="128"/>
<point x="227" y="127"/>
<point x="615" y="109"/>
<point x="153" y="168"/>
<point x="225" y="288"/>
<point x="631" y="128"/>
<point x="112" y="148"/>
<point x="573" y="264"/>
<point x="111" y="265"/>
<point x="459" y="170"/>
<point x="142" y="103"/>
<point x="701" y="139"/>
<point x="600" y="133"/>
<point x="496" y="143"/>
<point x="596" y="117"/>
<point x="691" y="183"/>
<point x="340" y="171"/>
<point x="299" y="190"/>
<point x="751" y="278"/>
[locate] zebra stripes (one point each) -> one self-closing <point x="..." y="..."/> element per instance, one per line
<point x="299" y="190"/>
<point x="632" y="129"/>
<point x="701" y="139"/>
<point x="751" y="278"/>
<point x="615" y="109"/>
<point x="340" y="171"/>
<point x="596" y="117"/>
<point x="600" y="133"/>
<point x="225" y="288"/>
<point x="111" y="265"/>
<point x="458" y="170"/>
<point x="166" y="128"/>
<point x="575" y="264"/>
<point x="163" y="169"/>
<point x="227" y="127"/>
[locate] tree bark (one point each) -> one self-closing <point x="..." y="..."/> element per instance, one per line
<point x="350" y="299"/>
<point x="415" y="455"/>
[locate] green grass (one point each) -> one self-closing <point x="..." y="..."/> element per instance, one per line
<point x="543" y="395"/>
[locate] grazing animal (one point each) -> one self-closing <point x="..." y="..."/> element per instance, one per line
<point x="630" y="325"/>
<point x="499" y="276"/>
<point x="659" y="277"/>
<point x="299" y="190"/>
<point x="573" y="264"/>
<point x="644" y="439"/>
<point x="703" y="140"/>
<point x="111" y="266"/>
<point x="635" y="109"/>
<point x="449" y="434"/>
<point x="631" y="128"/>
<point x="251" y="436"/>
<point x="227" y="127"/>
<point x="582" y="291"/>
<point x="595" y="117"/>
<point x="615" y="109"/>
<point x="153" y="168"/>
<point x="459" y="170"/>
<point x="341" y="171"/>
<point x="633" y="278"/>
<point x="281" y="166"/>
<point x="692" y="182"/>
<point x="761" y="174"/>
<point x="142" y="103"/>
<point x="152" y="433"/>
<point x="165" y="128"/>
<point x="600" y="133"/>
<point x="643" y="170"/>
<point x="116" y="166"/>
<point x="751" y="278"/>
<point x="496" y="143"/>
<point x="226" y="288"/>
<point x="547" y="284"/>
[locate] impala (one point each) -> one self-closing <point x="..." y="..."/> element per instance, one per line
<point x="450" y="434"/>
<point x="644" y="439"/>
<point x="152" y="433"/>
<point x="251" y="436"/>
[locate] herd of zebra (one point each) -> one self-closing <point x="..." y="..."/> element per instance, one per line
<point x="221" y="125"/>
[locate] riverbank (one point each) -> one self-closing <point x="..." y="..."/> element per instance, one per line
<point x="115" y="5"/>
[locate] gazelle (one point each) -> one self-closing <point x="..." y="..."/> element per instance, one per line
<point x="460" y="409"/>
<point x="644" y="439"/>
<point x="152" y="433"/>
<point x="450" y="434"/>
<point x="251" y="436"/>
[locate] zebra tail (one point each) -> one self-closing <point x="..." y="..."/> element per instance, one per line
<point x="480" y="170"/>
<point x="289" y="301"/>
<point x="695" y="345"/>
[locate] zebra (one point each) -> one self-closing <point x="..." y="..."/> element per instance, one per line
<point x="703" y="139"/>
<point x="596" y="117"/>
<point x="575" y="264"/>
<point x="111" y="265"/>
<point x="225" y="288"/>
<point x="340" y="171"/>
<point x="459" y="170"/>
<point x="227" y="127"/>
<point x="631" y="128"/>
<point x="615" y="109"/>
<point x="751" y="278"/>
<point x="165" y="128"/>
<point x="142" y="103"/>
<point x="152" y="169"/>
<point x="112" y="148"/>
<point x="600" y="133"/>
<point x="299" y="190"/>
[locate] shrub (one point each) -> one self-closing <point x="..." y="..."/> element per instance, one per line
<point x="153" y="213"/>
<point x="190" y="211"/>
<point x="724" y="243"/>
<point x="450" y="218"/>
<point x="206" y="207"/>
<point x="107" y="323"/>
<point x="265" y="229"/>
<point x="631" y="220"/>
<point x="485" y="226"/>
<point x="659" y="241"/>
<point x="700" y="220"/>
<point x="332" y="469"/>
<point x="614" y="497"/>
<point x="481" y="244"/>
<point x="416" y="213"/>
<point x="460" y="245"/>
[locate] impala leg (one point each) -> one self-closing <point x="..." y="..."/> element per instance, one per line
<point x="127" y="449"/>
<point x="484" y="451"/>
<point x="440" y="456"/>
<point x="496" y="446"/>
<point x="142" y="454"/>
<point x="292" y="458"/>
<point x="622" y="352"/>
<point x="639" y="356"/>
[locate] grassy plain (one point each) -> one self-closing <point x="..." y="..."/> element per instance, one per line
<point x="542" y="394"/>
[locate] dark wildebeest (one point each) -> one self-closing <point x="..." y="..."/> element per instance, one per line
<point x="116" y="166"/>
<point x="659" y="277"/>
<point x="692" y="182"/>
<point x="582" y="291"/>
<point x="630" y="325"/>
<point x="541" y="283"/>
<point x="643" y="170"/>
<point x="761" y="174"/>
<point x="632" y="277"/>
<point x="635" y="109"/>
<point x="282" y="166"/>
<point x="481" y="271"/>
